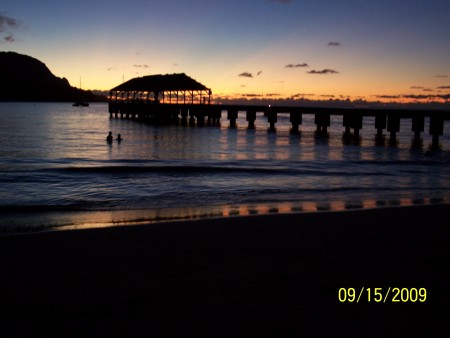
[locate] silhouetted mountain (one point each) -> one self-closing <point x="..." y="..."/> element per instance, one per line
<point x="24" y="78"/>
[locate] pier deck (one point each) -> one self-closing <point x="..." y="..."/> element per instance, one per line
<point x="197" y="114"/>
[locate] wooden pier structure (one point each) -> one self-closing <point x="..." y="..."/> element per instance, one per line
<point x="177" y="98"/>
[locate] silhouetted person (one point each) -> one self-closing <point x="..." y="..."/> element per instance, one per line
<point x="109" y="138"/>
<point x="119" y="138"/>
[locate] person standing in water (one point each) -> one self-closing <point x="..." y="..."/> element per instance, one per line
<point x="119" y="138"/>
<point x="109" y="138"/>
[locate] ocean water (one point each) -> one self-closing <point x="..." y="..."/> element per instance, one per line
<point x="58" y="172"/>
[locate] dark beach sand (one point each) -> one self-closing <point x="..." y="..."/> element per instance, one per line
<point x="256" y="276"/>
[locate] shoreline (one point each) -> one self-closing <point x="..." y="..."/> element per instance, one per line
<point x="275" y="275"/>
<point x="34" y="221"/>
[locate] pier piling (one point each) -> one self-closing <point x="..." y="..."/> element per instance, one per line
<point x="352" y="120"/>
<point x="436" y="130"/>
<point x="251" y="118"/>
<point x="393" y="127"/>
<point x="184" y="115"/>
<point x="296" y="120"/>
<point x="322" y="121"/>
<point x="380" y="124"/>
<point x="418" y="126"/>
<point x="272" y="118"/>
<point x="232" y="116"/>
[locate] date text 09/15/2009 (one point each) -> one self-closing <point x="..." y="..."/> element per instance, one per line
<point x="382" y="295"/>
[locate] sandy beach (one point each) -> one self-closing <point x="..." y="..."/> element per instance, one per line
<point x="254" y="276"/>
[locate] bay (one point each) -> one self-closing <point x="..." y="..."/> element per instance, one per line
<point x="58" y="172"/>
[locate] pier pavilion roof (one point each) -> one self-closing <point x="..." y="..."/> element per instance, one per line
<point x="161" y="83"/>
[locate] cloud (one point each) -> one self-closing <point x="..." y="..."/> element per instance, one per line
<point x="259" y="73"/>
<point x="6" y="25"/>
<point x="422" y="88"/>
<point x="334" y="44"/>
<point x="110" y="69"/>
<point x="415" y="96"/>
<point x="298" y="65"/>
<point x="272" y="94"/>
<point x="7" y="22"/>
<point x="9" y="38"/>
<point x="141" y="66"/>
<point x="246" y="74"/>
<point x="441" y="76"/>
<point x="388" y="96"/>
<point x="443" y="87"/>
<point x="419" y="97"/>
<point x="302" y="95"/>
<point x="323" y="71"/>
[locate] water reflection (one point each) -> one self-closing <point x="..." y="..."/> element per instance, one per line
<point x="100" y="219"/>
<point x="149" y="216"/>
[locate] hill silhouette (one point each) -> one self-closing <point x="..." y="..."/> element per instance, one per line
<point x="24" y="78"/>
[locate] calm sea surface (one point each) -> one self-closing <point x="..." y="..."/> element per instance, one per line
<point x="57" y="171"/>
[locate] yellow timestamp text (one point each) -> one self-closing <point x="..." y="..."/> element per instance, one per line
<point x="382" y="295"/>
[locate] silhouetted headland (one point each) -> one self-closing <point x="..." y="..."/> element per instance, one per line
<point x="24" y="78"/>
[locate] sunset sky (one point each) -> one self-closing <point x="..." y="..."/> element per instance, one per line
<point x="375" y="49"/>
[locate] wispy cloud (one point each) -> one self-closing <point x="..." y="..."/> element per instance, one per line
<point x="388" y="96"/>
<point x="425" y="97"/>
<point x="323" y="71"/>
<point x="334" y="44"/>
<point x="298" y="65"/>
<point x="441" y="76"/>
<point x="301" y="95"/>
<point x="246" y="74"/>
<point x="425" y="89"/>
<point x="443" y="87"/>
<point x="141" y="66"/>
<point x="415" y="96"/>
<point x="9" y="38"/>
<point x="6" y="25"/>
<point x="250" y="75"/>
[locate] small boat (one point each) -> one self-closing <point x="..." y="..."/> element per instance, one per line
<point x="81" y="104"/>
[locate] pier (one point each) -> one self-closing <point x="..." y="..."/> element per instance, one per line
<point x="178" y="99"/>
